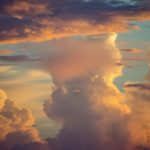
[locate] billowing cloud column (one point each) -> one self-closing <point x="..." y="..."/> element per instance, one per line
<point x="86" y="103"/>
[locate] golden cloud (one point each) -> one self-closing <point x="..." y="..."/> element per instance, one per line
<point x="39" y="21"/>
<point x="15" y="122"/>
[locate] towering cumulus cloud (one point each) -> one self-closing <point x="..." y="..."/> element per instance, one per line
<point x="89" y="107"/>
<point x="91" y="110"/>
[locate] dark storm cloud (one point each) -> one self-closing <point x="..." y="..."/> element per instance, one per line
<point x="25" y="20"/>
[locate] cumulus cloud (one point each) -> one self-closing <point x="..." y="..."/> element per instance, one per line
<point x="16" y="124"/>
<point x="43" y="20"/>
<point x="93" y="113"/>
<point x="75" y="58"/>
<point x="88" y="106"/>
<point x="138" y="101"/>
<point x="88" y="118"/>
<point x="85" y="102"/>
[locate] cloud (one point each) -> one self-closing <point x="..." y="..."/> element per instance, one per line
<point x="131" y="50"/>
<point x="75" y="109"/>
<point x="148" y="59"/>
<point x="137" y="97"/>
<point x="93" y="113"/>
<point x="141" y="86"/>
<point x="138" y="101"/>
<point x="22" y="8"/>
<point x="32" y="146"/>
<point x="134" y="59"/>
<point x="2" y="98"/>
<point x="141" y="147"/>
<point x="17" y="58"/>
<point x="16" y="124"/>
<point x="21" y="137"/>
<point x="5" y="51"/>
<point x="88" y="106"/>
<point x="74" y="58"/>
<point x="45" y="20"/>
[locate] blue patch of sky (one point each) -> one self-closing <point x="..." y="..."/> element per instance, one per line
<point x="135" y="39"/>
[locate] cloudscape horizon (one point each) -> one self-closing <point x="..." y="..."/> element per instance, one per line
<point x="75" y="75"/>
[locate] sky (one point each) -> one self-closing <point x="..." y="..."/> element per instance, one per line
<point x="75" y="75"/>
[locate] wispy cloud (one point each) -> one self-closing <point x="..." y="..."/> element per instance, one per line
<point x="17" y="58"/>
<point x="5" y="51"/>
<point x="141" y="86"/>
<point x="134" y="50"/>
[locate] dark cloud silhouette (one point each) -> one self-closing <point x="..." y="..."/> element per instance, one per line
<point x="141" y="86"/>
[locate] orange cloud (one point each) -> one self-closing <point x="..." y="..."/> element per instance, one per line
<point x="134" y="50"/>
<point x="46" y="20"/>
<point x="90" y="97"/>
<point x="5" y="51"/>
<point x="138" y="124"/>
<point x="16" y="124"/>
<point x="76" y="58"/>
<point x="20" y="9"/>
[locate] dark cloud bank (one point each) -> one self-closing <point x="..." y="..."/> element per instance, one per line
<point x="36" y="20"/>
